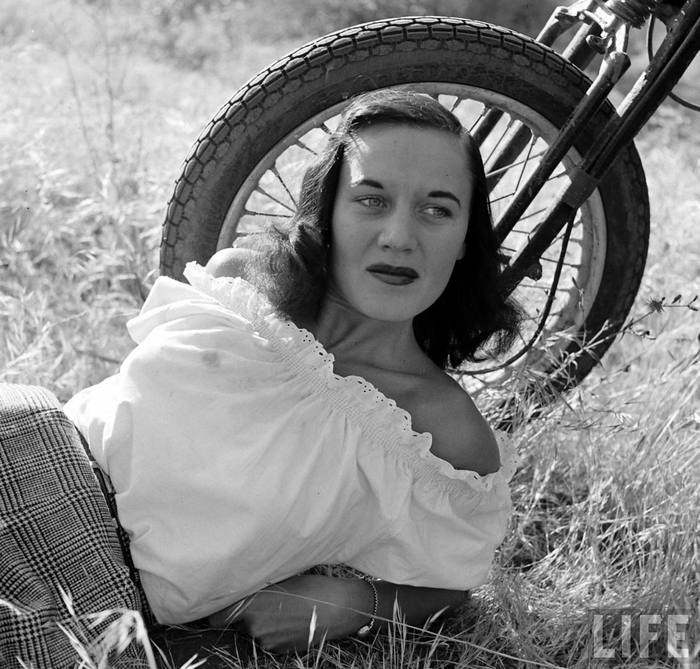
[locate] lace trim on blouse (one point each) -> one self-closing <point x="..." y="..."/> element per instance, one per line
<point x="382" y="420"/>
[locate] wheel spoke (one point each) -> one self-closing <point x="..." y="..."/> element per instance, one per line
<point x="527" y="158"/>
<point x="306" y="147"/>
<point x="505" y="168"/>
<point x="265" y="214"/>
<point x="511" y="193"/>
<point x="509" y="125"/>
<point x="472" y="127"/>
<point x="274" y="171"/>
<point x="261" y="190"/>
<point x="537" y="212"/>
<point x="564" y="263"/>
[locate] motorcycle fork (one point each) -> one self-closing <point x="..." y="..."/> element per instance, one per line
<point x="678" y="49"/>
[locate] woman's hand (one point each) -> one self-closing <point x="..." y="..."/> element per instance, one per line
<point x="302" y="610"/>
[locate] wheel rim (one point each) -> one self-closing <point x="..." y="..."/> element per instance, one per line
<point x="269" y="194"/>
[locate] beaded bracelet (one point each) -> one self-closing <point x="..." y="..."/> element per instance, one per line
<point x="365" y="630"/>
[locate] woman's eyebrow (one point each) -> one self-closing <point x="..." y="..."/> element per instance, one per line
<point x="372" y="183"/>
<point x="367" y="182"/>
<point x="445" y="193"/>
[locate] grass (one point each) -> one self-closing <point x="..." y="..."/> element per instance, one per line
<point x="95" y="122"/>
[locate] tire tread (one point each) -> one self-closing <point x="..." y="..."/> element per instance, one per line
<point x="326" y="67"/>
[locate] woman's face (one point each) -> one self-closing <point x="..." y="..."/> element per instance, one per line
<point x="399" y="220"/>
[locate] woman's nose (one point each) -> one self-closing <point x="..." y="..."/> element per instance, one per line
<point x="398" y="231"/>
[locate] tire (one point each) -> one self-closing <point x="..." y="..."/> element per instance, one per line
<point x="471" y="66"/>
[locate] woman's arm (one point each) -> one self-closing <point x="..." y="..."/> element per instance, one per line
<point x="279" y="617"/>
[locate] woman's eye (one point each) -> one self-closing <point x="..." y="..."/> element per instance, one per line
<point x="437" y="211"/>
<point x="371" y="201"/>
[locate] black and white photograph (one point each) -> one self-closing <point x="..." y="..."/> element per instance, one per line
<point x="349" y="334"/>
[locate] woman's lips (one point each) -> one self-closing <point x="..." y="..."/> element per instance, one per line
<point x="394" y="275"/>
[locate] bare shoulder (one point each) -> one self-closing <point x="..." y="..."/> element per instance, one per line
<point x="461" y="434"/>
<point x="233" y="262"/>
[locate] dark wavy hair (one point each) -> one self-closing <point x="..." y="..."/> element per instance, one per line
<point x="471" y="315"/>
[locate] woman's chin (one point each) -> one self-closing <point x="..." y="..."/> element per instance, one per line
<point x="382" y="301"/>
<point x="393" y="311"/>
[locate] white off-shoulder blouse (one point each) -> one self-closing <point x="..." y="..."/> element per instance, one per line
<point x="240" y="459"/>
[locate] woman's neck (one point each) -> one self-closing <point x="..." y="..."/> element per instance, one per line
<point x="353" y="337"/>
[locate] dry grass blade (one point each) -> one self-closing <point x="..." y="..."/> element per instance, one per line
<point x="605" y="504"/>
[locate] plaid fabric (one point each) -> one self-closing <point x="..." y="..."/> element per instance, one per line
<point x="109" y="494"/>
<point x="56" y="534"/>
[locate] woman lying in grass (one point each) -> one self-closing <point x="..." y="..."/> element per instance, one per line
<point x="290" y="407"/>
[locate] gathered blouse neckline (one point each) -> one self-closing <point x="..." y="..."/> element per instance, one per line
<point x="382" y="419"/>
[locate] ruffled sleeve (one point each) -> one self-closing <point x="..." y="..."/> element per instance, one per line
<point x="439" y="525"/>
<point x="241" y="458"/>
<point x="445" y="535"/>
